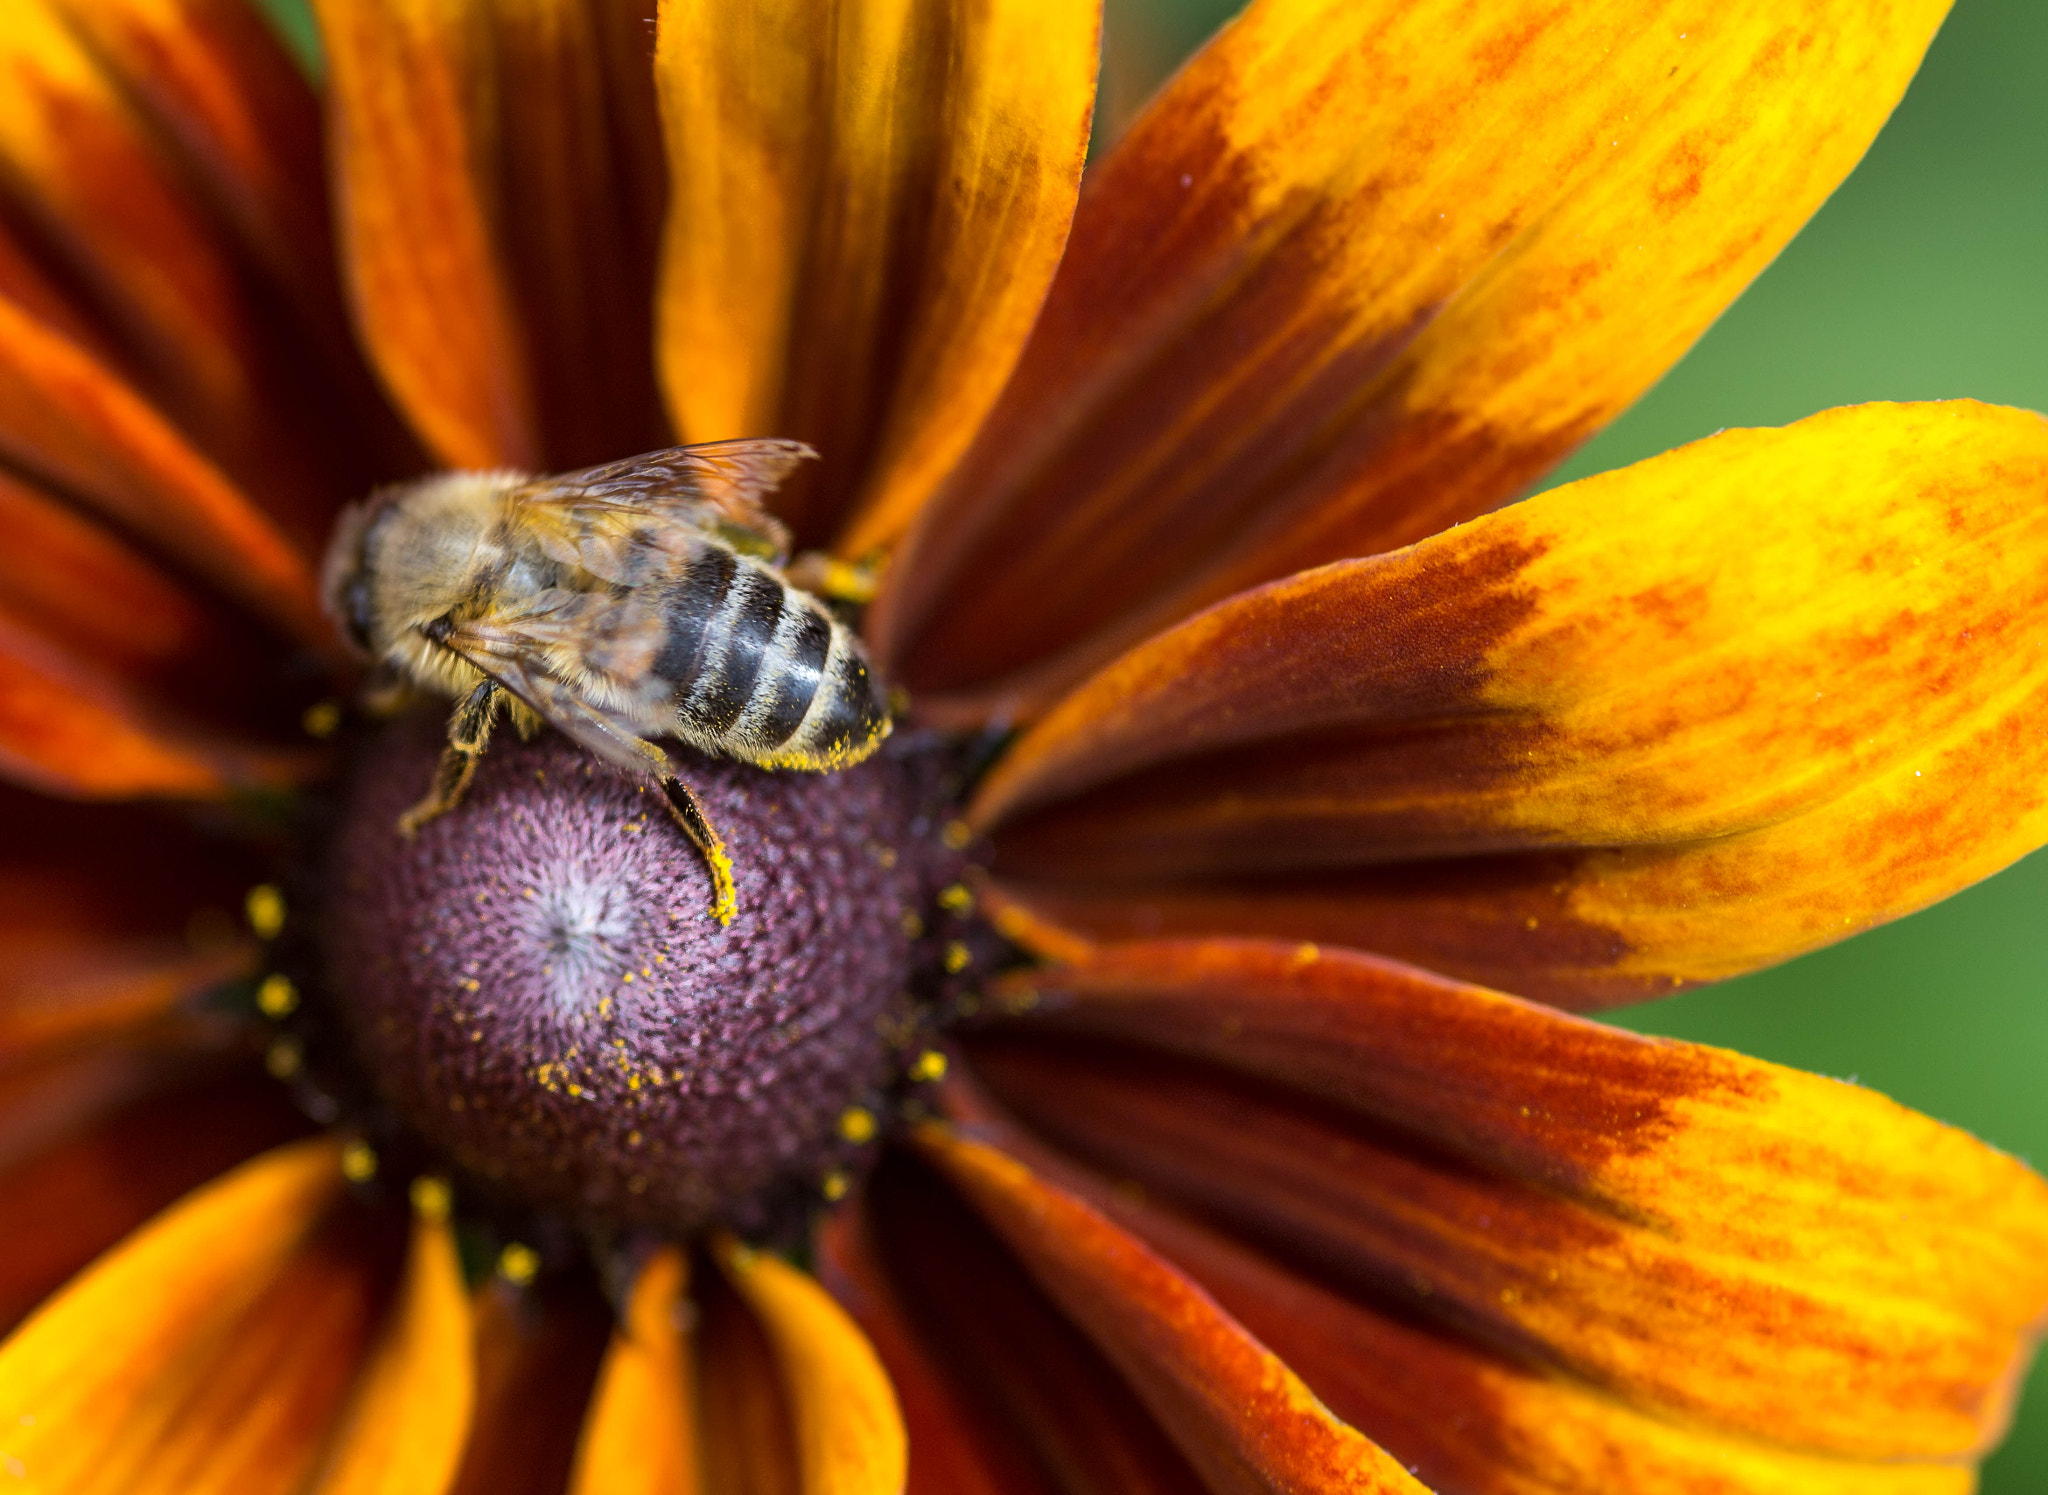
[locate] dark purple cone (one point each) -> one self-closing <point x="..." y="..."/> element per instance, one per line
<point x="536" y="986"/>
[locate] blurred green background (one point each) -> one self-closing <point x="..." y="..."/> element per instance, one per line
<point x="1923" y="278"/>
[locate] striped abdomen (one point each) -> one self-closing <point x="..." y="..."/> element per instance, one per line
<point x="761" y="671"/>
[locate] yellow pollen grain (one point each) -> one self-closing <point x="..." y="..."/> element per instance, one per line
<point x="518" y="1264"/>
<point x="431" y="1197"/>
<point x="276" y="997"/>
<point x="321" y="718"/>
<point x="930" y="1065"/>
<point x="1305" y="954"/>
<point x="913" y="925"/>
<point x="358" y="1162"/>
<point x="834" y="1186"/>
<point x="284" y="1058"/>
<point x="956" y="898"/>
<point x="958" y="958"/>
<point x="956" y="835"/>
<point x="857" y="1124"/>
<point x="264" y="908"/>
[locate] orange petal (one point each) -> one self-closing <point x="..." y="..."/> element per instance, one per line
<point x="743" y="1407"/>
<point x="101" y="178"/>
<point x="105" y="1346"/>
<point x="868" y="203"/>
<point x="69" y="1201"/>
<point x="1464" y="1419"/>
<point x="1238" y="1413"/>
<point x="72" y="421"/>
<point x="640" y="1435"/>
<point x="1051" y="1411"/>
<point x="849" y="1433"/>
<point x="1658" y="727"/>
<point x="537" y="1360"/>
<point x="1710" y="1237"/>
<point x="69" y="727"/>
<point x="409" y="1418"/>
<point x="1363" y="270"/>
<point x="949" y="1452"/>
<point x="411" y="115"/>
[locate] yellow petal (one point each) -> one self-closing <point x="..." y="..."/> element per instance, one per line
<point x="1709" y="1238"/>
<point x="1366" y="268"/>
<point x="410" y="111"/>
<point x="1658" y="727"/>
<point x="640" y="1435"/>
<point x="100" y="1349"/>
<point x="868" y="202"/>
<point x="849" y="1432"/>
<point x="405" y="1428"/>
<point x="1241" y="1416"/>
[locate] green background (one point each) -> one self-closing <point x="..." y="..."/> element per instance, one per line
<point x="1921" y="279"/>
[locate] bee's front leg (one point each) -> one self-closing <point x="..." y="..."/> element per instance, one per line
<point x="469" y="733"/>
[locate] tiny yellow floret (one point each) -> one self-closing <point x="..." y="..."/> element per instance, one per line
<point x="358" y="1162"/>
<point x="518" y="1264"/>
<point x="432" y="1197"/>
<point x="264" y="907"/>
<point x="857" y="1124"/>
<point x="930" y="1065"/>
<point x="277" y="997"/>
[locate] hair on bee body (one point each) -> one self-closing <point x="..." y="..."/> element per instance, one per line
<point x="621" y="604"/>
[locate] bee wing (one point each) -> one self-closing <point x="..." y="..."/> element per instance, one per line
<point x="602" y="698"/>
<point x="601" y="513"/>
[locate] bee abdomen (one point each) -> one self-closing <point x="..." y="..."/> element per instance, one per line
<point x="762" y="671"/>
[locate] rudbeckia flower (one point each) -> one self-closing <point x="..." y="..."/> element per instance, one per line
<point x="1163" y="1066"/>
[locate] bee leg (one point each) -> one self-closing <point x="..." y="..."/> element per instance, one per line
<point x="469" y="733"/>
<point x="682" y="804"/>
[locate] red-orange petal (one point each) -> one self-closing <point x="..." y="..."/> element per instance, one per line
<point x="70" y="1200"/>
<point x="411" y="117"/>
<point x="1709" y="1237"/>
<point x="537" y="1355"/>
<point x="868" y="204"/>
<point x="1658" y="727"/>
<point x="1241" y="1417"/>
<point x="744" y="1417"/>
<point x="1364" y="269"/>
<point x="950" y="1453"/>
<point x="640" y="1435"/>
<point x="408" y="1420"/>
<point x="849" y="1433"/>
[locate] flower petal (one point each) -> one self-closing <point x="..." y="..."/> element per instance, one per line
<point x="111" y="1340"/>
<point x="1658" y="727"/>
<point x="1236" y="1411"/>
<point x="743" y="1406"/>
<point x="1707" y="1236"/>
<point x="72" y="1200"/>
<point x="950" y="1449"/>
<point x="1361" y="271"/>
<point x="849" y="1433"/>
<point x="409" y="1418"/>
<point x="640" y="1435"/>
<point x="72" y="421"/>
<point x="869" y="201"/>
<point x="1464" y="1419"/>
<point x="411" y="116"/>
<point x="1056" y="1413"/>
<point x="537" y="1353"/>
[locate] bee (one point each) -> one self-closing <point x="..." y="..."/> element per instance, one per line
<point x="619" y="604"/>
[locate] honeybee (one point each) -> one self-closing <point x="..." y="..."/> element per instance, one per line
<point x="618" y="604"/>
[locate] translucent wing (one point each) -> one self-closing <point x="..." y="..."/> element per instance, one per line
<point x="582" y="660"/>
<point x="599" y="517"/>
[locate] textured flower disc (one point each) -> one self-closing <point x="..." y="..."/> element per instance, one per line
<point x="536" y="987"/>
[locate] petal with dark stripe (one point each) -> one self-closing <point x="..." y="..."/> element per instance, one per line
<point x="868" y="203"/>
<point x="1361" y="271"/>
<point x="1707" y="1237"/>
<point x="1658" y="727"/>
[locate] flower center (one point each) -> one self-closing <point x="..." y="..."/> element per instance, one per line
<point x="535" y="987"/>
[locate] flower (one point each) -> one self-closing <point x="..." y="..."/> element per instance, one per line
<point x="1249" y="1177"/>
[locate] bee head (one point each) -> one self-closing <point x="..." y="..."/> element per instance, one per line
<point x="345" y="586"/>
